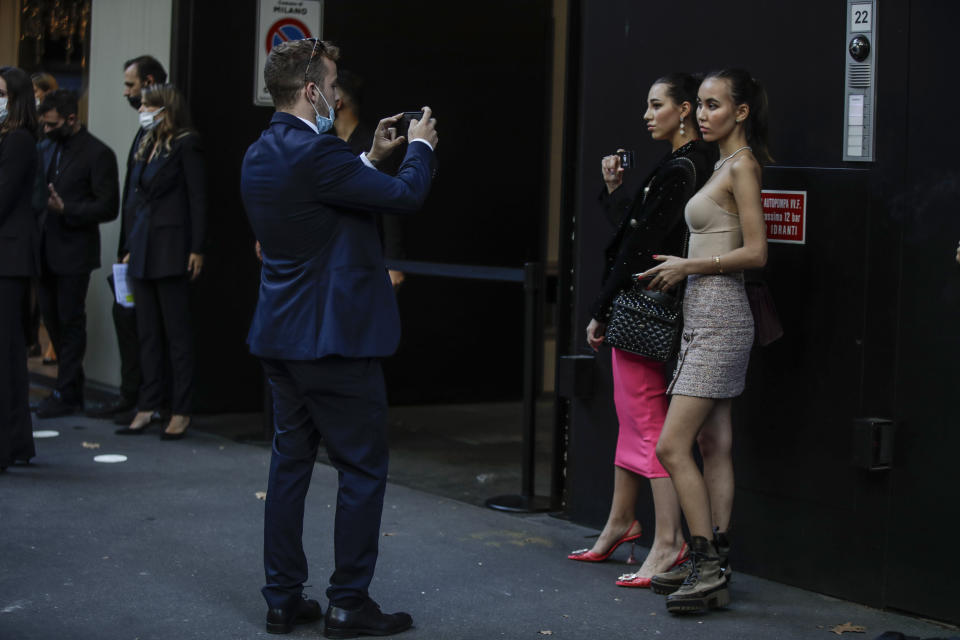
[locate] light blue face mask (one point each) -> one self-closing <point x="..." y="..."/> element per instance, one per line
<point x="323" y="124"/>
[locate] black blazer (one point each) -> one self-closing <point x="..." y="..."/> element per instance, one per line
<point x="389" y="227"/>
<point x="19" y="232"/>
<point x="651" y="222"/>
<point x="88" y="183"/>
<point x="122" y="238"/>
<point x="165" y="216"/>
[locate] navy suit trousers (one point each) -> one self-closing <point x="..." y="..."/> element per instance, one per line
<point x="343" y="401"/>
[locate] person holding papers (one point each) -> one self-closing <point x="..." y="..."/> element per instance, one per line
<point x="165" y="220"/>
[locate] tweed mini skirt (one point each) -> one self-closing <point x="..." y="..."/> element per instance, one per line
<point x="717" y="338"/>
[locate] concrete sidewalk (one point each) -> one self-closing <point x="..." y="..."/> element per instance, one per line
<point x="166" y="545"/>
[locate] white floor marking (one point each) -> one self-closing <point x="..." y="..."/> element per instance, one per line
<point x="110" y="458"/>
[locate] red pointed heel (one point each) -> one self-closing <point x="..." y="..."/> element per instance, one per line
<point x="633" y="580"/>
<point x="684" y="552"/>
<point x="586" y="555"/>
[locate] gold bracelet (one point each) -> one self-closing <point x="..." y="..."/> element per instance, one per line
<point x="716" y="261"/>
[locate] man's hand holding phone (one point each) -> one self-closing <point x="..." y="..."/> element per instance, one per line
<point x="390" y="132"/>
<point x="425" y="128"/>
<point x="385" y="139"/>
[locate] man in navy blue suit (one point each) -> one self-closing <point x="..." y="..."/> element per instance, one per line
<point x="325" y="317"/>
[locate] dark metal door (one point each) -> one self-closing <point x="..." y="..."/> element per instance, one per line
<point x="924" y="507"/>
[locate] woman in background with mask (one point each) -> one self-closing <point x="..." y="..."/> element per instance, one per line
<point x="19" y="258"/>
<point x="165" y="222"/>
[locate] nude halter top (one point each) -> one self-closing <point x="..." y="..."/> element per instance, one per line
<point x="714" y="231"/>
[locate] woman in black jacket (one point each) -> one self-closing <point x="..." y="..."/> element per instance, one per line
<point x="19" y="258"/>
<point x="647" y="224"/>
<point x="165" y="215"/>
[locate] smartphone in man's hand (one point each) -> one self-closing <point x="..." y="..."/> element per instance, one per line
<point x="403" y="126"/>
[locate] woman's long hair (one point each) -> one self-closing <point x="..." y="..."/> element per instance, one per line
<point x="174" y="124"/>
<point x="745" y="89"/>
<point x="21" y="105"/>
<point x="682" y="87"/>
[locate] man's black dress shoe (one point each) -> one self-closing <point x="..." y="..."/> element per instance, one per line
<point x="366" y="620"/>
<point x="111" y="408"/>
<point x="281" y="621"/>
<point x="54" y="406"/>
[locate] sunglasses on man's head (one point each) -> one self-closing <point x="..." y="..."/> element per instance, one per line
<point x="316" y="42"/>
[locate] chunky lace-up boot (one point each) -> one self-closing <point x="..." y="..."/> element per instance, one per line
<point x="666" y="583"/>
<point x="705" y="587"/>
<point x="722" y="543"/>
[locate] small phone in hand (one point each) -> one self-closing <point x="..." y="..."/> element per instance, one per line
<point x="627" y="159"/>
<point x="403" y="126"/>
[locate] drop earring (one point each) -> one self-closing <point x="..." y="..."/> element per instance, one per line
<point x="683" y="132"/>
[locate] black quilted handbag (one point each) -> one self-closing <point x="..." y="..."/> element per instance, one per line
<point x="647" y="323"/>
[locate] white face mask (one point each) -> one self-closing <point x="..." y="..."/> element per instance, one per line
<point x="3" y="108"/>
<point x="150" y="119"/>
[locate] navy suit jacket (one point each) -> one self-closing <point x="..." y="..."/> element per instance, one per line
<point x="324" y="289"/>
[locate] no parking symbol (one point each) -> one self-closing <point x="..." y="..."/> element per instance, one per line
<point x="284" y="30"/>
<point x="281" y="21"/>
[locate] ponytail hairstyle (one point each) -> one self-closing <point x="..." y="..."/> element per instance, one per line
<point x="745" y="89"/>
<point x="682" y="87"/>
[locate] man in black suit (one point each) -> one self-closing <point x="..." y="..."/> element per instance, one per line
<point x="84" y="191"/>
<point x="352" y="130"/>
<point x="138" y="73"/>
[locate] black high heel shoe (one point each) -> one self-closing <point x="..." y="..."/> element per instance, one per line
<point x="129" y="431"/>
<point x="166" y="435"/>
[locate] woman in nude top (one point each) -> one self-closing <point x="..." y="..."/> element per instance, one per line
<point x="727" y="235"/>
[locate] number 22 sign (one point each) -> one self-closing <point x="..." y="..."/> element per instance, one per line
<point x="861" y="17"/>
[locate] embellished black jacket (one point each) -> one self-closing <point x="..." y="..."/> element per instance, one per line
<point x="651" y="222"/>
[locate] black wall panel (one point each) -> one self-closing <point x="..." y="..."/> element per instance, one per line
<point x="923" y="500"/>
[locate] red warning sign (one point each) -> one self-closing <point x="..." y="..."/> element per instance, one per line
<point x="284" y="31"/>
<point x="785" y="213"/>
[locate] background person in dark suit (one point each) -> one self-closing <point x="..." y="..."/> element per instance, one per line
<point x="356" y="133"/>
<point x="19" y="258"/>
<point x="84" y="191"/>
<point x="165" y="220"/>
<point x="138" y="73"/>
<point x="325" y="316"/>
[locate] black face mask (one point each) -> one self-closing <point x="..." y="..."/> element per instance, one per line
<point x="135" y="101"/>
<point x="61" y="133"/>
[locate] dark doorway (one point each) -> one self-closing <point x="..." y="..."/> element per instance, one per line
<point x="487" y="79"/>
<point x="486" y="74"/>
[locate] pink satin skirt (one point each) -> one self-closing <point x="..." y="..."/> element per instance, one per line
<point x="640" y="395"/>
